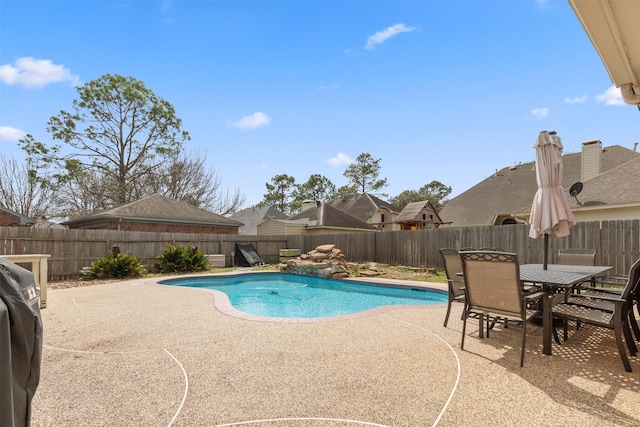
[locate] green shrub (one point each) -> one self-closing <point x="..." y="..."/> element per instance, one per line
<point x="122" y="266"/>
<point x="179" y="259"/>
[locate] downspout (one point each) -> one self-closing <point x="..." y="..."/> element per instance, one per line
<point x="626" y="90"/>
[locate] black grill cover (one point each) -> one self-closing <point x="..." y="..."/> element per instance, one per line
<point x="247" y="256"/>
<point x="20" y="344"/>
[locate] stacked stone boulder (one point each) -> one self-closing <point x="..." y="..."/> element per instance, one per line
<point x="325" y="261"/>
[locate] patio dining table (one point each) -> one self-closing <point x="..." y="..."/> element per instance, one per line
<point x="556" y="279"/>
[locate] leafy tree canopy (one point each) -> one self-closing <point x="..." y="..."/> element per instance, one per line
<point x="363" y="174"/>
<point x="121" y="142"/>
<point x="287" y="196"/>
<point x="435" y="192"/>
<point x="317" y="188"/>
<point x="280" y="193"/>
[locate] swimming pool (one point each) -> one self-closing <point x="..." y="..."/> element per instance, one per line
<point x="293" y="296"/>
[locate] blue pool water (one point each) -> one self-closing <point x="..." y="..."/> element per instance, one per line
<point x="293" y="296"/>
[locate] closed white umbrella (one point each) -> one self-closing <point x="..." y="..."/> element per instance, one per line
<point x="550" y="212"/>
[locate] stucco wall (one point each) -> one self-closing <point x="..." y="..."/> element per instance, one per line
<point x="608" y="214"/>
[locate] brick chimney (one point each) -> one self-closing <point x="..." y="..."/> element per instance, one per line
<point x="591" y="159"/>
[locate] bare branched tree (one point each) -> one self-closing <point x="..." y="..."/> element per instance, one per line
<point x="22" y="192"/>
<point x="186" y="177"/>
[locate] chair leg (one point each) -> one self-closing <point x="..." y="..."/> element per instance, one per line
<point x="634" y="324"/>
<point x="633" y="350"/>
<point x="621" y="349"/>
<point x="490" y="324"/>
<point x="524" y="341"/>
<point x="464" y="327"/>
<point x="446" y="317"/>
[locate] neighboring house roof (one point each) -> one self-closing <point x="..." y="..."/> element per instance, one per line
<point x="253" y="216"/>
<point x="617" y="186"/>
<point x="511" y="190"/>
<point x="362" y="206"/>
<point x="157" y="208"/>
<point x="24" y="220"/>
<point x="325" y="215"/>
<point x="413" y="213"/>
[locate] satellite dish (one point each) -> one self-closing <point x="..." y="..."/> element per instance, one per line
<point x="575" y="190"/>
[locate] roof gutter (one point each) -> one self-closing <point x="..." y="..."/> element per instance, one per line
<point x="611" y="27"/>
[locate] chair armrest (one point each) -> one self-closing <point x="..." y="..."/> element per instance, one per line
<point x="612" y="298"/>
<point x="534" y="296"/>
<point x="620" y="280"/>
<point x="612" y="291"/>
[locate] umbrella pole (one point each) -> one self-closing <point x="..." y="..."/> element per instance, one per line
<point x="545" y="253"/>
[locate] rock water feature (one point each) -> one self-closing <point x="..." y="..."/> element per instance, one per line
<point x="325" y="261"/>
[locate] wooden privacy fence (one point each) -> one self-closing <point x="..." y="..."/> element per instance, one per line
<point x="73" y="249"/>
<point x="617" y="243"/>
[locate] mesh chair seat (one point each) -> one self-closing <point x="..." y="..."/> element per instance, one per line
<point x="611" y="312"/>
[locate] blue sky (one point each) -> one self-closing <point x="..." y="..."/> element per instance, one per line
<point x="438" y="90"/>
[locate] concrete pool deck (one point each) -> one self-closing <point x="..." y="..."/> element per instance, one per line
<point x="136" y="353"/>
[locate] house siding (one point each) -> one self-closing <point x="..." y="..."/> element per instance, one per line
<point x="607" y="213"/>
<point x="271" y="227"/>
<point x="325" y="231"/>
<point x="388" y="224"/>
<point x="8" y="220"/>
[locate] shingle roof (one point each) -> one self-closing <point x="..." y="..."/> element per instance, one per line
<point x="511" y="189"/>
<point x="362" y="206"/>
<point x="620" y="185"/>
<point x="413" y="212"/>
<point x="252" y="216"/>
<point x="157" y="208"/>
<point x="328" y="216"/>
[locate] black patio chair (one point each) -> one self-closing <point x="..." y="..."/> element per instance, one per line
<point x="452" y="266"/>
<point x="606" y="312"/>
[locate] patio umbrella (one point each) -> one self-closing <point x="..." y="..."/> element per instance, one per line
<point x="550" y="212"/>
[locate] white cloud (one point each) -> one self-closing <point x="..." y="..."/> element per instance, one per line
<point x="166" y="5"/>
<point x="384" y="35"/>
<point x="611" y="96"/>
<point x="251" y="121"/>
<point x="34" y="73"/>
<point x="545" y="4"/>
<point x="340" y="159"/>
<point x="333" y="87"/>
<point x="576" y="100"/>
<point x="8" y="133"/>
<point x="540" y="113"/>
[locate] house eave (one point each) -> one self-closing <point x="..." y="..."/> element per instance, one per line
<point x="119" y="218"/>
